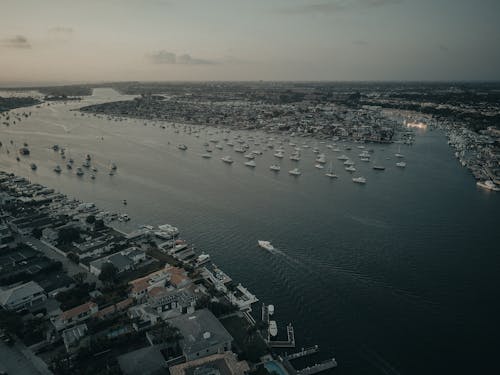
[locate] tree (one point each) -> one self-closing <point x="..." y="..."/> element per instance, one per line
<point x="73" y="257"/>
<point x="37" y="233"/>
<point x="108" y="273"/>
<point x="80" y="277"/>
<point x="68" y="235"/>
<point x="90" y="219"/>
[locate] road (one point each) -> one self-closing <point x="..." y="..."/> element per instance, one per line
<point x="20" y="361"/>
<point x="49" y="252"/>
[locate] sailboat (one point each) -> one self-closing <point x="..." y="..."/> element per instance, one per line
<point x="330" y="173"/>
<point x="399" y="154"/>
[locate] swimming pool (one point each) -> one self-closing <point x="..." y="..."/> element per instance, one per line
<point x="273" y="366"/>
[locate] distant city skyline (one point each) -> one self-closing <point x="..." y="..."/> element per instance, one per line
<point x="57" y="41"/>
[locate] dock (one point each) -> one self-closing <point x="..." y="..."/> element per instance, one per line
<point x="319" y="367"/>
<point x="303" y="352"/>
<point x="289" y="343"/>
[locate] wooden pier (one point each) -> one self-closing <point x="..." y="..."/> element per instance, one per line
<point x="323" y="366"/>
<point x="303" y="352"/>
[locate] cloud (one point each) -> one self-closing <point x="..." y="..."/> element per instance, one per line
<point x="61" y="30"/>
<point x="334" y="6"/>
<point x="166" y="57"/>
<point x="17" y="41"/>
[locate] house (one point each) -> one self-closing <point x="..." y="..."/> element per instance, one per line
<point x="76" y="315"/>
<point x="123" y="261"/>
<point x="141" y="285"/>
<point x="226" y="363"/>
<point x="117" y="307"/>
<point x="74" y="336"/>
<point x="203" y="334"/>
<point x="144" y="361"/>
<point x="22" y="296"/>
<point x="120" y="261"/>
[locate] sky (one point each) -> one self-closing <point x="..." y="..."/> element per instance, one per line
<point x="65" y="41"/>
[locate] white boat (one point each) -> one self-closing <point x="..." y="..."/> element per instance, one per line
<point x="266" y="245"/>
<point x="182" y="147"/>
<point x="206" y="156"/>
<point x="343" y="157"/>
<point x="273" y="328"/>
<point x="227" y="159"/>
<point x="270" y="309"/>
<point x="350" y="169"/>
<point x="319" y="166"/>
<point x="401" y="164"/>
<point x="279" y="154"/>
<point x="295" y="172"/>
<point x="330" y="172"/>
<point x="488" y="184"/>
<point x="202" y="259"/>
<point x="275" y="167"/>
<point x="295" y="156"/>
<point x="348" y="162"/>
<point x="251" y="164"/>
<point x="359" y="180"/>
<point x="250" y="156"/>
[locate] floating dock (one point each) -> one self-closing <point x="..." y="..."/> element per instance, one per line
<point x="319" y="367"/>
<point x="303" y="352"/>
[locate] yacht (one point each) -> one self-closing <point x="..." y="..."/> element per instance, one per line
<point x="57" y="169"/>
<point x="33" y="166"/>
<point x="219" y="147"/>
<point x="348" y="162"/>
<point x="295" y="172"/>
<point x="92" y="176"/>
<point x="378" y="167"/>
<point x="206" y="156"/>
<point x="319" y="166"/>
<point x="69" y="166"/>
<point x="350" y="169"/>
<point x="227" y="159"/>
<point x="266" y="245"/>
<point x="343" y="157"/>
<point x="251" y="164"/>
<point x="275" y="168"/>
<point x="239" y="149"/>
<point x="330" y="172"/>
<point x="250" y="156"/>
<point x="488" y="184"/>
<point x="182" y="147"/>
<point x="359" y="180"/>
<point x="113" y="166"/>
<point x="79" y="171"/>
<point x="279" y="154"/>
<point x="321" y="159"/>
<point x="295" y="157"/>
<point x="401" y="164"/>
<point x="273" y="328"/>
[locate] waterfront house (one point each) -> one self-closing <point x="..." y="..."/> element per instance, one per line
<point x="203" y="335"/>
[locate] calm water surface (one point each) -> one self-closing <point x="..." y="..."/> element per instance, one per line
<point x="400" y="276"/>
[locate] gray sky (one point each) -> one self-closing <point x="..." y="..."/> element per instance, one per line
<point x="96" y="40"/>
